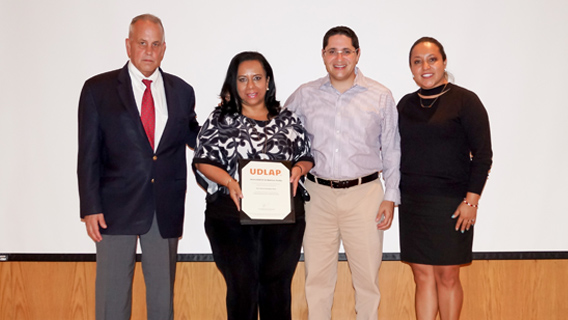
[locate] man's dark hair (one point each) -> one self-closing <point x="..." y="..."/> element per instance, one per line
<point x="346" y="31"/>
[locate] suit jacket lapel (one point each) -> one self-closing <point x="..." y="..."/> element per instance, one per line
<point x="173" y="110"/>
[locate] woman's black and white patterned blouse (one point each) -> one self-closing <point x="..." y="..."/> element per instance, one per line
<point x="222" y="142"/>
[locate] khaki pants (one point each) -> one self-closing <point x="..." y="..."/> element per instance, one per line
<point x="347" y="215"/>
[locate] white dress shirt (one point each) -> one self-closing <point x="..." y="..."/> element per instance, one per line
<point x="158" y="93"/>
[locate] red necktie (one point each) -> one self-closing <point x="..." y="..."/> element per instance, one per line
<point x="148" y="115"/>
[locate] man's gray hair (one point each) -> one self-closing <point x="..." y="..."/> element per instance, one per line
<point x="147" y="17"/>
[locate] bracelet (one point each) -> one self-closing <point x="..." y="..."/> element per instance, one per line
<point x="469" y="204"/>
<point x="229" y="181"/>
<point x="301" y="170"/>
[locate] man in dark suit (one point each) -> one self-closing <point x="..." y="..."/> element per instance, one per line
<point x="134" y="124"/>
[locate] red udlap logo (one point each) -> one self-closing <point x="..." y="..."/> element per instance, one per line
<point x="265" y="172"/>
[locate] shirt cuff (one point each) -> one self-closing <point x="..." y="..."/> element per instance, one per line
<point x="392" y="195"/>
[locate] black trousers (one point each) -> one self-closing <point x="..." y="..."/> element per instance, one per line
<point x="257" y="261"/>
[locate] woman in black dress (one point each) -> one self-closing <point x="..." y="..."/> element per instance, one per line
<point x="446" y="157"/>
<point x="257" y="261"/>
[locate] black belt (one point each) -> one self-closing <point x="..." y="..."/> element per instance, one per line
<point x="342" y="184"/>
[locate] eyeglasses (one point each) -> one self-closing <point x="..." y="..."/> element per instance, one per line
<point x="345" y="52"/>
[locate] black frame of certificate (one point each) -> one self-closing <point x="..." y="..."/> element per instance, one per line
<point x="246" y="219"/>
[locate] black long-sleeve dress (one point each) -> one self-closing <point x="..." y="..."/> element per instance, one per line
<point x="446" y="152"/>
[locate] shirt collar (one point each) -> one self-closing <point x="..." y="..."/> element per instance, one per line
<point x="137" y="76"/>
<point x="360" y="80"/>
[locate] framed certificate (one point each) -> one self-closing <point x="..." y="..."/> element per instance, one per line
<point x="267" y="192"/>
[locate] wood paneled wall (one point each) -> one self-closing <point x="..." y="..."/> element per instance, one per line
<point x="500" y="290"/>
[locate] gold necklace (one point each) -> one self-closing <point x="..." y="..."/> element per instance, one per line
<point x="435" y="97"/>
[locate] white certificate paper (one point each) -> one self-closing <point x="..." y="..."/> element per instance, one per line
<point x="267" y="192"/>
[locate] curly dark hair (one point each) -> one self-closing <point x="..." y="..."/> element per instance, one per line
<point x="230" y="100"/>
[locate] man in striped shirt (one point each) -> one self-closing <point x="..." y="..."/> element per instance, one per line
<point x="352" y="123"/>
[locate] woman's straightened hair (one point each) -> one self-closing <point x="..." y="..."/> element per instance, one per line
<point x="231" y="102"/>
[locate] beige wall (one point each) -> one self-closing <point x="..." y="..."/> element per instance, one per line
<point x="500" y="290"/>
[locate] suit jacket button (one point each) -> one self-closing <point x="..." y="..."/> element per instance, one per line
<point x="152" y="180"/>
<point x="155" y="158"/>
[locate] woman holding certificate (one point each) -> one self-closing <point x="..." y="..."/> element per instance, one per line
<point x="256" y="260"/>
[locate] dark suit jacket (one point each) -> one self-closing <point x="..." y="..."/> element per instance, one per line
<point x="119" y="173"/>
